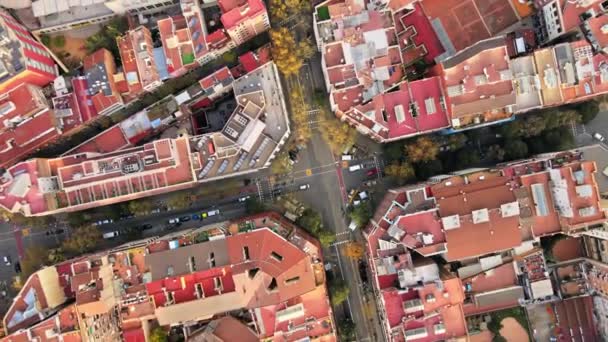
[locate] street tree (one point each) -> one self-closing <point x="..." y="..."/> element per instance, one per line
<point x="310" y="221"/>
<point x="179" y="200"/>
<point x="339" y="292"/>
<point x="421" y="149"/>
<point x="158" y="334"/>
<point x="402" y="172"/>
<point x="516" y="149"/>
<point x="354" y="250"/>
<point x="254" y="206"/>
<point x="35" y="256"/>
<point x="283" y="9"/>
<point x="82" y="240"/>
<point x="281" y="165"/>
<point x="346" y="330"/>
<point x="496" y="153"/>
<point x="300" y="116"/>
<point x="588" y="110"/>
<point x="336" y="134"/>
<point x="361" y="214"/>
<point x="326" y="238"/>
<point x="287" y="60"/>
<point x="467" y="157"/>
<point x="139" y="207"/>
<point x="457" y="141"/>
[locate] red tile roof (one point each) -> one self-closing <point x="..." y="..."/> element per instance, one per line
<point x="235" y="15"/>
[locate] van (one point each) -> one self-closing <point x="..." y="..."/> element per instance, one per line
<point x="110" y="235"/>
<point x="213" y="212"/>
<point x="354" y="168"/>
<point x="347" y="157"/>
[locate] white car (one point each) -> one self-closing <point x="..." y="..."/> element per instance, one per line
<point x="304" y="187"/>
<point x="110" y="235"/>
<point x="213" y="212"/>
<point x="245" y="198"/>
<point x="174" y="220"/>
<point x="347" y="157"/>
<point x="354" y="168"/>
<point x="599" y="137"/>
<point x="352" y="225"/>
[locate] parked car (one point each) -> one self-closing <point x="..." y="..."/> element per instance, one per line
<point x="354" y="168"/>
<point x="174" y="221"/>
<point x="55" y="231"/>
<point x="352" y="225"/>
<point x="244" y="198"/>
<point x="110" y="235"/>
<point x="347" y="157"/>
<point x="146" y="226"/>
<point x="196" y="217"/>
<point x="184" y="219"/>
<point x="7" y="260"/>
<point x="599" y="137"/>
<point x="304" y="187"/>
<point x="293" y="156"/>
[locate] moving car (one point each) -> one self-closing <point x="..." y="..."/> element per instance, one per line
<point x="599" y="137"/>
<point x="110" y="235"/>
<point x="7" y="260"/>
<point x="174" y="221"/>
<point x="354" y="168"/>
<point x="304" y="187"/>
<point x="372" y="172"/>
<point x="244" y="198"/>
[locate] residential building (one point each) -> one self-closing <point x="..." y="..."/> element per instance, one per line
<point x="22" y="58"/>
<point x="483" y="212"/>
<point x="139" y="69"/>
<point x="44" y="16"/>
<point x="260" y="278"/>
<point x="250" y="139"/>
<point x="555" y="18"/>
<point x="100" y="73"/>
<point x="479" y="85"/>
<point x="244" y="19"/>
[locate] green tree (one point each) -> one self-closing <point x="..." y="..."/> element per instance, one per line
<point x="33" y="259"/>
<point x="516" y="149"/>
<point x="158" y="334"/>
<point x="45" y="39"/>
<point x="421" y="149"/>
<point x="588" y="110"/>
<point x="82" y="240"/>
<point x="326" y="238"/>
<point x="311" y="222"/>
<point x="361" y="214"/>
<point x="534" y="125"/>
<point x="457" y="141"/>
<point x="496" y="153"/>
<point x="393" y="151"/>
<point x="254" y="206"/>
<point x="428" y="169"/>
<point x="346" y="330"/>
<point x="467" y="157"/>
<point x="281" y="164"/>
<point x="339" y="292"/>
<point x="59" y="41"/>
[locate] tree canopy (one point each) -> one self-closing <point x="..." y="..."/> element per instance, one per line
<point x="35" y="256"/>
<point x="288" y="55"/>
<point x="82" y="240"/>
<point x="361" y="214"/>
<point x="421" y="149"/>
<point x="354" y="250"/>
<point x="402" y="172"/>
<point x="338" y="291"/>
<point x="337" y="134"/>
<point x="158" y="334"/>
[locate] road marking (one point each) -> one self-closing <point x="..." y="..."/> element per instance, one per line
<point x="336" y="244"/>
<point x="25" y="232"/>
<point x="343" y="233"/>
<point x="309" y="172"/>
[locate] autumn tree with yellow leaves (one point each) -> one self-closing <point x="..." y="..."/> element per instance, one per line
<point x="287" y="54"/>
<point x="422" y="149"/>
<point x="336" y="133"/>
<point x="300" y="116"/>
<point x="283" y="9"/>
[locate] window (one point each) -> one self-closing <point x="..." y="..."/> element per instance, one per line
<point x="246" y="252"/>
<point x="276" y="256"/>
<point x="292" y="280"/>
<point x="192" y="264"/>
<point x="273" y="285"/>
<point x="252" y="272"/>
